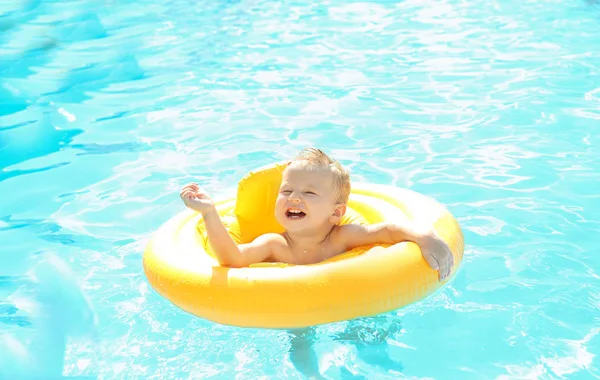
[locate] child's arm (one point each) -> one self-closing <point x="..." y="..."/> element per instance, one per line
<point x="228" y="253"/>
<point x="435" y="251"/>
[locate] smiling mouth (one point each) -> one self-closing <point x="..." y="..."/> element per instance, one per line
<point x="294" y="214"/>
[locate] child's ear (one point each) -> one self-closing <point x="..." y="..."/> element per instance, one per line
<point x="338" y="213"/>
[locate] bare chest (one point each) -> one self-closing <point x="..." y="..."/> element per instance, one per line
<point x="311" y="255"/>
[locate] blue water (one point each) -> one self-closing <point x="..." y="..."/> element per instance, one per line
<point x="108" y="107"/>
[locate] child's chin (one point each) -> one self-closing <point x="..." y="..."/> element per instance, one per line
<point x="294" y="225"/>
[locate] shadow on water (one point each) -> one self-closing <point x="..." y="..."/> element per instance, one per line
<point x="36" y="137"/>
<point x="32" y="140"/>
<point x="9" y="103"/>
<point x="368" y="335"/>
<point x="46" y="308"/>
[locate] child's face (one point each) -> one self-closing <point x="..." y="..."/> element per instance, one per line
<point x="306" y="199"/>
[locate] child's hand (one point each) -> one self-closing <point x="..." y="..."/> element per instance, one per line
<point x="196" y="199"/>
<point x="437" y="253"/>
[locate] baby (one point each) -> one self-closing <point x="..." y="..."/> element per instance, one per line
<point x="311" y="203"/>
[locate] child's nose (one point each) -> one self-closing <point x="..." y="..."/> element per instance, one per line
<point x="294" y="197"/>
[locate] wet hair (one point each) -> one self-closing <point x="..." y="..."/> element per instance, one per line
<point x="314" y="158"/>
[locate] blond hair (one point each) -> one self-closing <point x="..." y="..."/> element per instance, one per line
<point x="314" y="158"/>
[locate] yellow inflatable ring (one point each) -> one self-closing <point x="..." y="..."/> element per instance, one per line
<point x="180" y="265"/>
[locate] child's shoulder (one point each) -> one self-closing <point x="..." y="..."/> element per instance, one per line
<point x="273" y="243"/>
<point x="350" y="228"/>
<point x="352" y="235"/>
<point x="271" y="238"/>
<point x="344" y="231"/>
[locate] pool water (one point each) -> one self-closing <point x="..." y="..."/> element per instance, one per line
<point x="108" y="107"/>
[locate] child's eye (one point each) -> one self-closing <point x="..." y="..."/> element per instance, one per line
<point x="310" y="193"/>
<point x="286" y="191"/>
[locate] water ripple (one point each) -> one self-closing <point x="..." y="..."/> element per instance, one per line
<point x="107" y="108"/>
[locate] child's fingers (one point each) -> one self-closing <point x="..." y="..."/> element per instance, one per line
<point x="190" y="186"/>
<point x="447" y="266"/>
<point x="187" y="194"/>
<point x="449" y="263"/>
<point x="444" y="272"/>
<point x="433" y="263"/>
<point x="202" y="195"/>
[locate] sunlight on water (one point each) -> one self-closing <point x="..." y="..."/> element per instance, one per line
<point x="108" y="107"/>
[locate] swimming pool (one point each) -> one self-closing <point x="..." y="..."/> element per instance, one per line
<point x="108" y="107"/>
